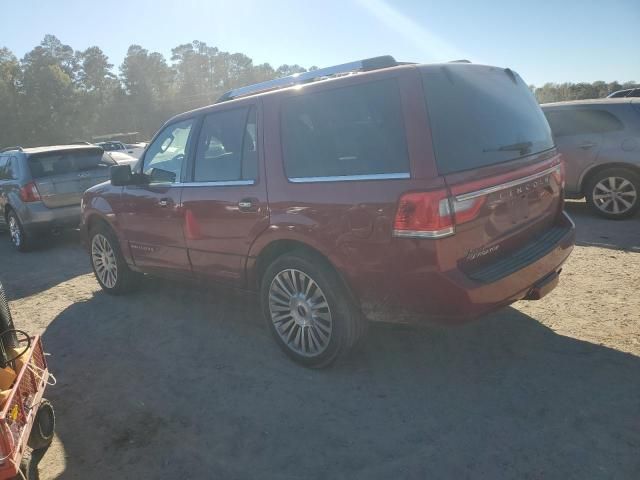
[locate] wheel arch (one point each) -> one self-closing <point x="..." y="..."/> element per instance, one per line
<point x="7" y="208"/>
<point x="278" y="247"/>
<point x="95" y="219"/>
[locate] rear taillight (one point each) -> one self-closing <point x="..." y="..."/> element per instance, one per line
<point x="559" y="174"/>
<point x="423" y="215"/>
<point x="29" y="193"/>
<point x="431" y="214"/>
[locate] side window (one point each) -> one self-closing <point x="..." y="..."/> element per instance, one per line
<point x="582" y="121"/>
<point x="3" y="166"/>
<point x="227" y="148"/>
<point x="165" y="158"/>
<point x="11" y="170"/>
<point x="346" y="131"/>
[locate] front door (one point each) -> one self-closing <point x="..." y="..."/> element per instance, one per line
<point x="225" y="203"/>
<point x="151" y="215"/>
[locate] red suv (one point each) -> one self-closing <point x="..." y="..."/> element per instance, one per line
<point x="367" y="191"/>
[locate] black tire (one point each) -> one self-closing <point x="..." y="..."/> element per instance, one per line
<point x="44" y="426"/>
<point x="6" y="323"/>
<point x="28" y="467"/>
<point x="597" y="205"/>
<point x="346" y="322"/>
<point x="125" y="279"/>
<point x="19" y="239"/>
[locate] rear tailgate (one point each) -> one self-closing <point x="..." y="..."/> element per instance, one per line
<point x="516" y="204"/>
<point x="495" y="151"/>
<point x="62" y="176"/>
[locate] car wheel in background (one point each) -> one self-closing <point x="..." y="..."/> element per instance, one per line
<point x="614" y="193"/>
<point x="17" y="235"/>
<point x="309" y="310"/>
<point x="109" y="266"/>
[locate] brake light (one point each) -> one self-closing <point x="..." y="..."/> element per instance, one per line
<point x="423" y="215"/>
<point x="466" y="210"/>
<point x="432" y="214"/>
<point x="559" y="174"/>
<point x="29" y="193"/>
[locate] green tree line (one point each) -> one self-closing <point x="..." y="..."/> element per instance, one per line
<point x="558" y="92"/>
<point x="56" y="94"/>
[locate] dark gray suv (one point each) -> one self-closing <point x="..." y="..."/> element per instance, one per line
<point x="41" y="188"/>
<point x="600" y="145"/>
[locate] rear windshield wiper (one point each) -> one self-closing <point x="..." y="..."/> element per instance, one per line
<point x="522" y="147"/>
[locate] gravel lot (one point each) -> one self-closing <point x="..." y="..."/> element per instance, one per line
<point x="181" y="382"/>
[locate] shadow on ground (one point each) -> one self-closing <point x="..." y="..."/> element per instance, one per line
<point x="594" y="231"/>
<point x="174" y="382"/>
<point x="35" y="270"/>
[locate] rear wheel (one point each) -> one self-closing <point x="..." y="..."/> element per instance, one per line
<point x="309" y="310"/>
<point x="110" y="268"/>
<point x="614" y="193"/>
<point x="17" y="234"/>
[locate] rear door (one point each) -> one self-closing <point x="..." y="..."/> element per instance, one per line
<point x="62" y="176"/>
<point x="578" y="132"/>
<point x="494" y="148"/>
<point x="225" y="204"/>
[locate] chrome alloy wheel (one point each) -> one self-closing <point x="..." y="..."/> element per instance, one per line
<point x="14" y="231"/>
<point x="614" y="195"/>
<point x="104" y="260"/>
<point x="300" y="312"/>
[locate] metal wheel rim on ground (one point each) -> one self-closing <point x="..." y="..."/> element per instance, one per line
<point x="14" y="230"/>
<point x="300" y="312"/>
<point x="104" y="261"/>
<point x="614" y="195"/>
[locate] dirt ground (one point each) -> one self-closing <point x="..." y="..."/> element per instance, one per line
<point x="181" y="382"/>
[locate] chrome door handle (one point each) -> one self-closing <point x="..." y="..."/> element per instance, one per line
<point x="247" y="204"/>
<point x="587" y="145"/>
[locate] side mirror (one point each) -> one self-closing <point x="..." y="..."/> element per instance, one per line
<point x="120" y="175"/>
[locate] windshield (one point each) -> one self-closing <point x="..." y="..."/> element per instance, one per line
<point x="481" y="115"/>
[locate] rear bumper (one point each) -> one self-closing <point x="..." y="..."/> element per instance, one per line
<point x="36" y="218"/>
<point x="455" y="297"/>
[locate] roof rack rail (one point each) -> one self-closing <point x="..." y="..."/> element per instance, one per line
<point x="365" y="65"/>
<point x="8" y="149"/>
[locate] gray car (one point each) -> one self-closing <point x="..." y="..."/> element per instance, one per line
<point x="41" y="188"/>
<point x="600" y="144"/>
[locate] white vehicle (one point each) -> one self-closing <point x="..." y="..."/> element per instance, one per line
<point x="133" y="149"/>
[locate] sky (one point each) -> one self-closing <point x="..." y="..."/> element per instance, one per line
<point x="544" y="41"/>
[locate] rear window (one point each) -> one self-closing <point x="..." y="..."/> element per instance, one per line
<point x="481" y="115"/>
<point x="60" y="163"/>
<point x="345" y="132"/>
<point x="578" y="121"/>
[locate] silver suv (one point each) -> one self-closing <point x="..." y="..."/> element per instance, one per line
<point x="41" y="188"/>
<point x="600" y="144"/>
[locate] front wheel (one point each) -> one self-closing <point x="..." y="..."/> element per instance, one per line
<point x="109" y="266"/>
<point x="613" y="193"/>
<point x="309" y="310"/>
